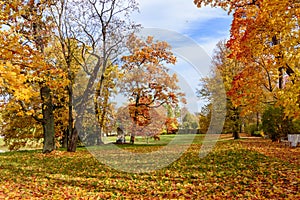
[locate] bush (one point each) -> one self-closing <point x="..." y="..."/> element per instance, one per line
<point x="251" y="129"/>
<point x="258" y="133"/>
<point x="276" y="125"/>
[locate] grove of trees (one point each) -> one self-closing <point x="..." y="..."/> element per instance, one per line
<point x="61" y="63"/>
<point x="260" y="64"/>
<point x="75" y="71"/>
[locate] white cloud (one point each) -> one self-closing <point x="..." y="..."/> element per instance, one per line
<point x="184" y="17"/>
<point x="209" y="44"/>
<point x="193" y="34"/>
<point x="176" y="15"/>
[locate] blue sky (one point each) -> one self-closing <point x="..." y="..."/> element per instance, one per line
<point x="205" y="25"/>
<point x="193" y="32"/>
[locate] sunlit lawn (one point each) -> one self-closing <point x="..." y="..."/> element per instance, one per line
<point x="249" y="169"/>
<point x="164" y="139"/>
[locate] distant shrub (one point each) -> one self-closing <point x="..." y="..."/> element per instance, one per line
<point x="250" y="129"/>
<point x="276" y="125"/>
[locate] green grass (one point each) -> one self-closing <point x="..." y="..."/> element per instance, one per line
<point x="229" y="171"/>
<point x="164" y="139"/>
<point x="140" y="141"/>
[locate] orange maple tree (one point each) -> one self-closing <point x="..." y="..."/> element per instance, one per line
<point x="146" y="81"/>
<point x="264" y="36"/>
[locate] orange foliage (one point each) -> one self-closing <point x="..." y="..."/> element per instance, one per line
<point x="264" y="37"/>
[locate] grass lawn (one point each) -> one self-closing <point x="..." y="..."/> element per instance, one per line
<point x="243" y="169"/>
<point x="164" y="139"/>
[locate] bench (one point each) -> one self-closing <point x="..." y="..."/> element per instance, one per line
<point x="294" y="139"/>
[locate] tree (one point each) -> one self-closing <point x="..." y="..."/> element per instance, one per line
<point x="171" y="123"/>
<point x="101" y="28"/>
<point x="27" y="76"/>
<point x="189" y="121"/>
<point x="227" y="69"/>
<point x="204" y="118"/>
<point x="146" y="82"/>
<point x="105" y="109"/>
<point x="264" y="37"/>
<point x="67" y="52"/>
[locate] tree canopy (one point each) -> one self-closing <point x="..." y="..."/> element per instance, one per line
<point x="147" y="82"/>
<point x="264" y="37"/>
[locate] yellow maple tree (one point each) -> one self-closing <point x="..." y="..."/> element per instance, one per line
<point x="28" y="77"/>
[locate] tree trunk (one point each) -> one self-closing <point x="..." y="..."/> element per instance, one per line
<point x="101" y="125"/>
<point x="280" y="78"/>
<point x="48" y="120"/>
<point x="257" y="121"/>
<point x="132" y="138"/>
<point x="64" y="140"/>
<point x="100" y="136"/>
<point x="70" y="105"/>
<point x="236" y="134"/>
<point x="73" y="141"/>
<point x="80" y="109"/>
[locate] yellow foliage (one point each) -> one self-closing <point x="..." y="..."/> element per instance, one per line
<point x="26" y="64"/>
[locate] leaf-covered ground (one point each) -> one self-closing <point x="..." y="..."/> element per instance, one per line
<point x="244" y="169"/>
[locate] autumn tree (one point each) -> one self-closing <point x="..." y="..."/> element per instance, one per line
<point x="264" y="37"/>
<point x="171" y="123"/>
<point x="101" y="27"/>
<point x="204" y="118"/>
<point x="105" y="108"/>
<point x="66" y="51"/>
<point x="276" y="125"/>
<point x="27" y="75"/>
<point x="189" y="121"/>
<point x="227" y="69"/>
<point x="146" y="82"/>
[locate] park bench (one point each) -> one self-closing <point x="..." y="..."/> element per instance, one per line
<point x="294" y="139"/>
